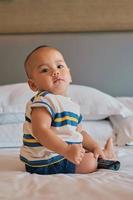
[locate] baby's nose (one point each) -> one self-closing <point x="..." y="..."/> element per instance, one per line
<point x="55" y="73"/>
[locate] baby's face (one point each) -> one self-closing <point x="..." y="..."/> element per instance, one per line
<point x="49" y="71"/>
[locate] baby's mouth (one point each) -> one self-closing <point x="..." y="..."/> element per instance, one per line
<point x="58" y="80"/>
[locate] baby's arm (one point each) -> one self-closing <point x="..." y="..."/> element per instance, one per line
<point x="41" y="126"/>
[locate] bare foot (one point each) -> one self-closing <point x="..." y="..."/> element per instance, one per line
<point x="109" y="151"/>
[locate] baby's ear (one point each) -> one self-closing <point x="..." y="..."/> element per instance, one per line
<point x="32" y="85"/>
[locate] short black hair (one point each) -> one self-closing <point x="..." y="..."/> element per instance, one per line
<point x="29" y="55"/>
<point x="39" y="47"/>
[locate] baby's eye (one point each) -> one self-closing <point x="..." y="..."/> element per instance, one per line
<point x="60" y="66"/>
<point x="44" y="70"/>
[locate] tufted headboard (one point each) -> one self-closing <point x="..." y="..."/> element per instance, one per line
<point x="39" y="16"/>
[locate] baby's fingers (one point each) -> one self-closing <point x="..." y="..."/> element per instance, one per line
<point x="78" y="160"/>
<point x="83" y="150"/>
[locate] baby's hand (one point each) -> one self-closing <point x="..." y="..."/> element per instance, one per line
<point x="75" y="153"/>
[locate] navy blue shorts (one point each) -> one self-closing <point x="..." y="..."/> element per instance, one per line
<point x="63" y="166"/>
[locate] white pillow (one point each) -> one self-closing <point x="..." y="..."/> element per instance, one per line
<point x="96" y="105"/>
<point x="124" y="126"/>
<point x="11" y="118"/>
<point x="100" y="130"/>
<point x="11" y="135"/>
<point x="127" y="101"/>
<point x="14" y="97"/>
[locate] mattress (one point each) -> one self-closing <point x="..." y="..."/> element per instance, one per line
<point x="16" y="184"/>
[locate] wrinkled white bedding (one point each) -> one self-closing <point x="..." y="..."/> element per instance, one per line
<point x="104" y="184"/>
<point x="16" y="184"/>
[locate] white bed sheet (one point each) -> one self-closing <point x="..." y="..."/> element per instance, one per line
<point x="16" y="184"/>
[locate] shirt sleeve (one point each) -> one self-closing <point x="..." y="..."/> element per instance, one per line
<point x="44" y="101"/>
<point x="80" y="119"/>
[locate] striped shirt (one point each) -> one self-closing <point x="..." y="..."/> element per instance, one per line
<point x="65" y="115"/>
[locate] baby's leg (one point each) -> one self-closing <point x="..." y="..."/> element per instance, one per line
<point x="87" y="165"/>
<point x="109" y="150"/>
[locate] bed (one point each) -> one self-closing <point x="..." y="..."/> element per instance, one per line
<point x="17" y="184"/>
<point x="96" y="39"/>
<point x="103" y="116"/>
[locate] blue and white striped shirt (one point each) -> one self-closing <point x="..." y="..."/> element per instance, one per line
<point x="65" y="115"/>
